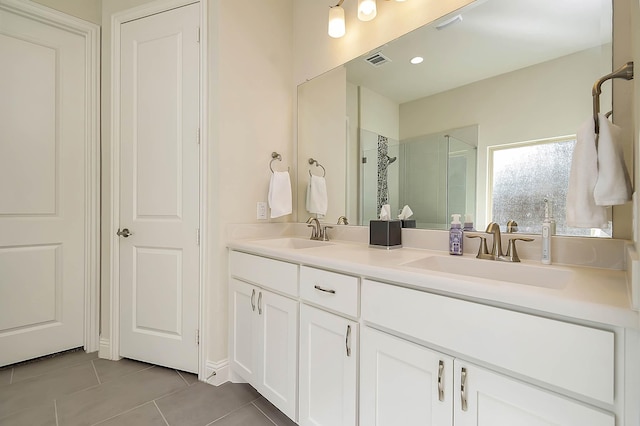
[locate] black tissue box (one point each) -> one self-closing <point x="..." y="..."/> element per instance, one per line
<point x="385" y="233"/>
<point x="408" y="223"/>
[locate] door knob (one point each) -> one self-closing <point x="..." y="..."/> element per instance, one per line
<point x="124" y="233"/>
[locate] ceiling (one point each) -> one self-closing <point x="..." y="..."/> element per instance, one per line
<point x="494" y="37"/>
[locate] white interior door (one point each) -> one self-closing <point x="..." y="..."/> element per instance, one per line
<point x="159" y="186"/>
<point x="43" y="91"/>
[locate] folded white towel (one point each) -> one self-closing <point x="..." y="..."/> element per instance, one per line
<point x="280" y="194"/>
<point x="613" y="185"/>
<point x="582" y="211"/>
<point x="317" y="200"/>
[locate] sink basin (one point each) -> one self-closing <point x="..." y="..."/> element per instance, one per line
<point x="292" y="243"/>
<point x="518" y="273"/>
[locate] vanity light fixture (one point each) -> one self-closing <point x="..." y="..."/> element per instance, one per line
<point x="417" y="60"/>
<point x="367" y="11"/>
<point x="336" y="21"/>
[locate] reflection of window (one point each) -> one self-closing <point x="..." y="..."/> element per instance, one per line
<point x="523" y="175"/>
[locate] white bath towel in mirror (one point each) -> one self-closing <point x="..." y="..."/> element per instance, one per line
<point x="317" y="199"/>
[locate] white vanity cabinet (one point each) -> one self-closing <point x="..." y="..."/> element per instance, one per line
<point x="402" y="383"/>
<point x="483" y="397"/>
<point x="264" y="328"/>
<point x="569" y="357"/>
<point x="328" y="348"/>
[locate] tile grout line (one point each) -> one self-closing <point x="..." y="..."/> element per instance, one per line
<point x="55" y="411"/>
<point x="96" y="372"/>
<point x="229" y="413"/>
<point x="119" y="414"/>
<point x="263" y="413"/>
<point x="182" y="377"/>
<point x="161" y="413"/>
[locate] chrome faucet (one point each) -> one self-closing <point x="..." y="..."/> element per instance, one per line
<point x="342" y="220"/>
<point x="316" y="231"/>
<point x="496" y="248"/>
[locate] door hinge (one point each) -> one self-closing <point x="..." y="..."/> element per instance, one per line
<point x="197" y="337"/>
<point x="198" y="136"/>
<point x="198" y="35"/>
<point x="198" y="236"/>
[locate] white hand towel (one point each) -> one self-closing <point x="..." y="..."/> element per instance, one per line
<point x="317" y="200"/>
<point x="582" y="211"/>
<point x="280" y="194"/>
<point x="613" y="185"/>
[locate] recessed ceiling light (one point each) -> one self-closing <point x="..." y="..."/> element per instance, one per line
<point x="417" y="60"/>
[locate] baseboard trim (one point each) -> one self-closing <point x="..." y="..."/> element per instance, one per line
<point x="104" y="351"/>
<point x="217" y="373"/>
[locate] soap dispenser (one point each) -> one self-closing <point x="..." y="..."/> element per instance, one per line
<point x="455" y="236"/>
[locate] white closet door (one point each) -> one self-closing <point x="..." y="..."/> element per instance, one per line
<point x="159" y="181"/>
<point x="43" y="91"/>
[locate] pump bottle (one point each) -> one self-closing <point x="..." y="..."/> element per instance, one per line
<point x="455" y="236"/>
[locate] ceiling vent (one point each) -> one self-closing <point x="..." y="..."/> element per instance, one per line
<point x="377" y="59"/>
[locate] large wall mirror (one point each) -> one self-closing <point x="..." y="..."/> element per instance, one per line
<point x="496" y="76"/>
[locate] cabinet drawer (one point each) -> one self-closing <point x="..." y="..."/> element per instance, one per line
<point x="334" y="291"/>
<point x="268" y="273"/>
<point x="576" y="358"/>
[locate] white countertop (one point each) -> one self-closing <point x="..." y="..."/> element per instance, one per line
<point x="590" y="295"/>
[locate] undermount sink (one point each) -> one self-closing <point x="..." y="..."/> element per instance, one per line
<point x="292" y="243"/>
<point x="518" y="273"/>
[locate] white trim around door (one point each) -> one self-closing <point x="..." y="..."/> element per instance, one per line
<point x="91" y="34"/>
<point x="111" y="345"/>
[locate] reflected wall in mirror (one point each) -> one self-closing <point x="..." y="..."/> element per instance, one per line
<point x="514" y="70"/>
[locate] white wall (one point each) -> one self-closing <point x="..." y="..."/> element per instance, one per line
<point x="89" y="10"/>
<point x="554" y="103"/>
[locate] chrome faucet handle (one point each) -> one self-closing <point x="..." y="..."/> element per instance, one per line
<point x="512" y="253"/>
<point x="325" y="233"/>
<point x="342" y="220"/>
<point x="483" y="251"/>
<point x="512" y="226"/>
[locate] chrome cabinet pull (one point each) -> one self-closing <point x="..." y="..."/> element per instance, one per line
<point x="253" y="296"/>
<point x="260" y="303"/>
<point x="326" y="290"/>
<point x="347" y="340"/>
<point x="463" y="388"/>
<point x="440" y="380"/>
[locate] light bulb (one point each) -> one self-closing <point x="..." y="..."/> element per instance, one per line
<point x="336" y="22"/>
<point x="367" y="10"/>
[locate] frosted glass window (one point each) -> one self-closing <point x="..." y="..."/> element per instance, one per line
<point x="524" y="175"/>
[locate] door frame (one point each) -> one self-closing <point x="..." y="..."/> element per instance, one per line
<point x="91" y="34"/>
<point x="111" y="346"/>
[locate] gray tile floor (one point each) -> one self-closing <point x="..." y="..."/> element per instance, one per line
<point x="76" y="388"/>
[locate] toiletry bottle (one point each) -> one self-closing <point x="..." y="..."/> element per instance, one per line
<point x="468" y="222"/>
<point x="455" y="235"/>
<point x="547" y="232"/>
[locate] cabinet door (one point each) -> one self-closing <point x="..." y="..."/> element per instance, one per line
<point x="278" y="346"/>
<point x="485" y="398"/>
<point x="328" y="368"/>
<point x="244" y="330"/>
<point x="402" y="383"/>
